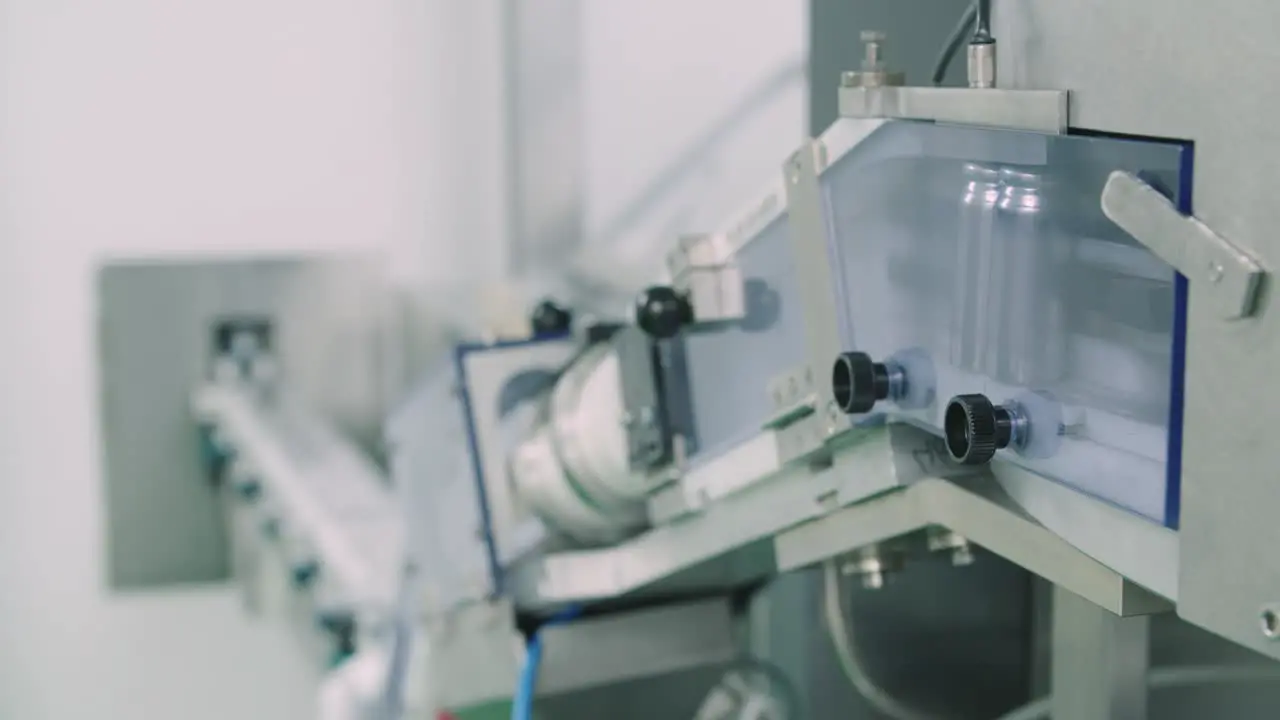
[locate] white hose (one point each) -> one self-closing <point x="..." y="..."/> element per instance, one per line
<point x="842" y="638"/>
<point x="1167" y="678"/>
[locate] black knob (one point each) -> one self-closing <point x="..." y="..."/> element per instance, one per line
<point x="661" y="312"/>
<point x="857" y="382"/>
<point x="305" y="573"/>
<point x="548" y="318"/>
<point x="975" y="428"/>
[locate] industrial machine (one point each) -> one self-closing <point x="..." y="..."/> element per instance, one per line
<point x="968" y="313"/>
<point x="978" y="321"/>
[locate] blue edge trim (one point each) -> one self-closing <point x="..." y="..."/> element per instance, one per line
<point x="1178" y="365"/>
<point x="460" y="353"/>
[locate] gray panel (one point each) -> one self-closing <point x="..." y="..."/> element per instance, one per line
<point x="1139" y="67"/>
<point x="163" y="519"/>
<point x="730" y="366"/>
<point x="950" y="641"/>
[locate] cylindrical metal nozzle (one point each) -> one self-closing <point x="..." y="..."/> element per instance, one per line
<point x="982" y="64"/>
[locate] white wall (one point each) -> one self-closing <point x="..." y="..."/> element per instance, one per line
<point x="692" y="108"/>
<point x="168" y="127"/>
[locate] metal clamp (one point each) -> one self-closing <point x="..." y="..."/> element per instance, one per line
<point x="703" y="269"/>
<point x="1224" y="273"/>
<point x="1034" y="110"/>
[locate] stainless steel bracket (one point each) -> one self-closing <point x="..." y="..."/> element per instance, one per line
<point x="1035" y="110"/>
<point x="702" y="267"/>
<point x="807" y="218"/>
<point x="979" y="509"/>
<point x="1227" y="275"/>
<point x="801" y="422"/>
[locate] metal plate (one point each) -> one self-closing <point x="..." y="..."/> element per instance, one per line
<point x="729" y="366"/>
<point x="1135" y="67"/>
<point x="331" y="317"/>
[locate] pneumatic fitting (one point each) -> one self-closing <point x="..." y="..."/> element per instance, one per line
<point x="975" y="428"/>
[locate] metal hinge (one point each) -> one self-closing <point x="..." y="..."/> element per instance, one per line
<point x="1228" y="276"/>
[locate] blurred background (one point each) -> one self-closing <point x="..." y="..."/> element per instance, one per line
<point x="495" y="151"/>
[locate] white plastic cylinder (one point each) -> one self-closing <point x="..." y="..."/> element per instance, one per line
<point x="574" y="469"/>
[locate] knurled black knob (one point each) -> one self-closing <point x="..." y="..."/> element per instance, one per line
<point x="661" y="311"/>
<point x="858" y="382"/>
<point x="549" y="318"/>
<point x="975" y="428"/>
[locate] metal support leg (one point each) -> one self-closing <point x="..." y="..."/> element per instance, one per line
<point x="1099" y="661"/>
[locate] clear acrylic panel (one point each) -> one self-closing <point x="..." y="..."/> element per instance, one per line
<point x="728" y="366"/>
<point x="978" y="261"/>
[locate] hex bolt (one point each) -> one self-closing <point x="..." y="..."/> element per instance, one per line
<point x="874" y="565"/>
<point x="940" y="539"/>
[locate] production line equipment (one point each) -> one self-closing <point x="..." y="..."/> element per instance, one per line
<point x="957" y="311"/>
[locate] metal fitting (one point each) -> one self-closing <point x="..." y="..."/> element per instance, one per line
<point x="1269" y="622"/>
<point x="874" y="72"/>
<point x="982" y="64"/>
<point x="874" y="564"/>
<point x="940" y="539"/>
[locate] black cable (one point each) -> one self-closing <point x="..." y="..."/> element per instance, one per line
<point x="982" y="33"/>
<point x="957" y="38"/>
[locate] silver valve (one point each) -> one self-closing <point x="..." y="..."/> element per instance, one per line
<point x="874" y="71"/>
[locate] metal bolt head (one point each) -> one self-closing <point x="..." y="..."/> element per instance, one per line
<point x="1269" y="622"/>
<point x="872" y="58"/>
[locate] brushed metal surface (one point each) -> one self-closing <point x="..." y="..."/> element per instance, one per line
<point x="1140" y="67"/>
<point x="333" y="324"/>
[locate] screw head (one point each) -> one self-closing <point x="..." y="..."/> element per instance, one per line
<point x="869" y="36"/>
<point x="1269" y="623"/>
<point x="1216" y="271"/>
